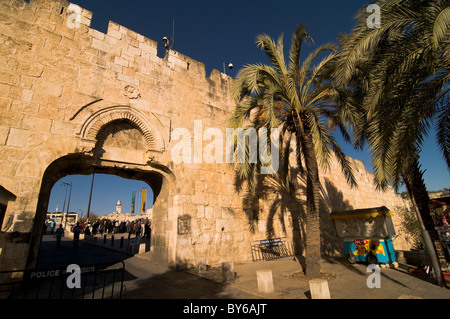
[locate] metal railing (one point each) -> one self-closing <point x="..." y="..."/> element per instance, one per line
<point x="271" y="249"/>
<point x="96" y="281"/>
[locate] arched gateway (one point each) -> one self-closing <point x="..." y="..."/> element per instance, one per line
<point x="115" y="140"/>
<point x="121" y="142"/>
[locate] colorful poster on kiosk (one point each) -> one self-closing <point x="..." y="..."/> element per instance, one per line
<point x="364" y="246"/>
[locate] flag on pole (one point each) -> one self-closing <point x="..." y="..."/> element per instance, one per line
<point x="143" y="200"/>
<point x="133" y="202"/>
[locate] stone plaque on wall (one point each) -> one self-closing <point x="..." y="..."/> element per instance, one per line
<point x="184" y="225"/>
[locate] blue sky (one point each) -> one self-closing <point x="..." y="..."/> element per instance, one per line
<point x="106" y="191"/>
<point x="214" y="32"/>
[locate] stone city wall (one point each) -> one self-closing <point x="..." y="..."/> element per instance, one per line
<point x="73" y="98"/>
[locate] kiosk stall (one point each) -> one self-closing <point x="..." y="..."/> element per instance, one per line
<point x="368" y="235"/>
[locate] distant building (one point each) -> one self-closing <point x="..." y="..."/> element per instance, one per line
<point x="70" y="218"/>
<point x="118" y="215"/>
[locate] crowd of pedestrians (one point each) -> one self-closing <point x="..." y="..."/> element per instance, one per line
<point x="140" y="227"/>
<point x="137" y="228"/>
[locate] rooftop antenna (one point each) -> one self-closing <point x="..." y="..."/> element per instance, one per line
<point x="168" y="43"/>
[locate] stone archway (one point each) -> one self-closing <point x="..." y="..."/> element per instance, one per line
<point x="81" y="164"/>
<point x="115" y="140"/>
<point x="151" y="131"/>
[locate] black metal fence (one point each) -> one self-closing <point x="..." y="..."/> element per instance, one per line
<point x="271" y="249"/>
<point x="97" y="281"/>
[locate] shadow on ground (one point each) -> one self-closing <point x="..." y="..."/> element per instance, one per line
<point x="181" y="285"/>
<point x="142" y="279"/>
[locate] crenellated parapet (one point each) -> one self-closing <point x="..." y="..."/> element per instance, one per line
<point x="63" y="29"/>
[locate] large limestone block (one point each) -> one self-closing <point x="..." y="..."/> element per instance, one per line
<point x="319" y="289"/>
<point x="265" y="280"/>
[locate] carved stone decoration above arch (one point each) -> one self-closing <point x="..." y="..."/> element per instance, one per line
<point x="151" y="130"/>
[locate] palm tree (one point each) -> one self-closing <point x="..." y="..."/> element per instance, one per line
<point x="402" y="68"/>
<point x="400" y="72"/>
<point x="297" y="99"/>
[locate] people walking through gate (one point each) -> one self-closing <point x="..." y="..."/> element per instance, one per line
<point x="129" y="229"/>
<point x="44" y="230"/>
<point x="52" y="227"/>
<point x="138" y="228"/>
<point x="110" y="227"/>
<point x="95" y="228"/>
<point x="76" y="234"/>
<point x="147" y="230"/>
<point x="59" y="234"/>
<point x="102" y="228"/>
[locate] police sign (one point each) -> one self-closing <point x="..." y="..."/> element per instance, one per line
<point x="39" y="274"/>
<point x="73" y="273"/>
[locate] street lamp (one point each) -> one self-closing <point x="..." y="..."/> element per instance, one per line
<point x="229" y="64"/>
<point x="65" y="197"/>
<point x="90" y="197"/>
<point x="68" y="203"/>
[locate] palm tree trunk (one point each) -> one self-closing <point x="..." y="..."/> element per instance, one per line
<point x="429" y="246"/>
<point x="313" y="235"/>
<point x="418" y="194"/>
<point x="415" y="184"/>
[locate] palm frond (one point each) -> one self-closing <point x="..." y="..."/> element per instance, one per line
<point x="300" y="75"/>
<point x="443" y="129"/>
<point x="441" y="29"/>
<point x="296" y="46"/>
<point x="396" y="75"/>
<point x="274" y="51"/>
<point x="344" y="162"/>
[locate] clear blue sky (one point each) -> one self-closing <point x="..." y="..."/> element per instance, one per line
<point x="217" y="31"/>
<point x="106" y="191"/>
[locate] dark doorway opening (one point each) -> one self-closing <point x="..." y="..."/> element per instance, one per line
<point x="79" y="164"/>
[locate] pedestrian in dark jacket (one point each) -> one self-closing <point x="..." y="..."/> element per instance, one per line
<point x="129" y="229"/>
<point x="76" y="234"/>
<point x="59" y="233"/>
<point x="147" y="230"/>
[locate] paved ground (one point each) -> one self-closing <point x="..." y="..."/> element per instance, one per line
<point x="146" y="280"/>
<point x="143" y="279"/>
<point x="345" y="281"/>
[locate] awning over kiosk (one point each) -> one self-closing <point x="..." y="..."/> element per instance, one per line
<point x="439" y="202"/>
<point x="364" y="223"/>
<point x="361" y="213"/>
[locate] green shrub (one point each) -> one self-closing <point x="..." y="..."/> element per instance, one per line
<point x="410" y="226"/>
